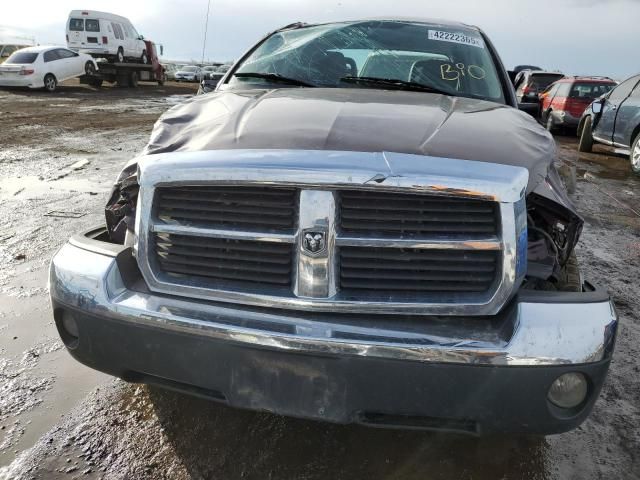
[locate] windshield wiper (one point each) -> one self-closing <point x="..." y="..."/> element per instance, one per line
<point x="395" y="83"/>
<point x="274" y="77"/>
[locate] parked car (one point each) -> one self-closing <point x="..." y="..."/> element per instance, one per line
<point x="530" y="83"/>
<point x="563" y="102"/>
<point x="355" y="249"/>
<point x="105" y="35"/>
<point x="210" y="83"/>
<point x="206" y="70"/>
<point x="190" y="73"/>
<point x="6" y="50"/>
<point x="614" y="120"/>
<point x="44" y="67"/>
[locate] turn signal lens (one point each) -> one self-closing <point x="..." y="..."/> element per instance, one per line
<point x="568" y="390"/>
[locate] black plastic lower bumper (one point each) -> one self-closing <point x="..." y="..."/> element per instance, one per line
<point x="343" y="389"/>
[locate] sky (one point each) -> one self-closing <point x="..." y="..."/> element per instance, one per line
<point x="577" y="37"/>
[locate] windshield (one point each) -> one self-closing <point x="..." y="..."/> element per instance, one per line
<point x="188" y="69"/>
<point x="455" y="60"/>
<point x="22" y="57"/>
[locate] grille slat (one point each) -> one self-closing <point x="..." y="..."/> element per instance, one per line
<point x="238" y="207"/>
<point x="222" y="219"/>
<point x="410" y="255"/>
<point x="223" y="274"/>
<point x="433" y="266"/>
<point x="414" y="228"/>
<point x="223" y="243"/>
<point x="395" y="285"/>
<point x="239" y="200"/>
<point x="413" y="270"/>
<point x="236" y="264"/>
<point x="475" y="277"/>
<point x="203" y="207"/>
<point x="408" y="217"/>
<point x="223" y="255"/>
<point x="405" y="215"/>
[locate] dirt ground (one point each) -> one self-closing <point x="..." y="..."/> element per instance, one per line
<point x="59" y="154"/>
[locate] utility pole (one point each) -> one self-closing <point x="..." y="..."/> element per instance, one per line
<point x="206" y="28"/>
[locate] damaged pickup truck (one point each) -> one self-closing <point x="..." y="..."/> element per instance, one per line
<point x="357" y="226"/>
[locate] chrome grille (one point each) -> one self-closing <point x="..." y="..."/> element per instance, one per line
<point x="254" y="208"/>
<point x="403" y="215"/>
<point x="326" y="231"/>
<point x="375" y="270"/>
<point x="224" y="262"/>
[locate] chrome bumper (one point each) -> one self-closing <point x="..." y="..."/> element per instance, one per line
<point x="542" y="329"/>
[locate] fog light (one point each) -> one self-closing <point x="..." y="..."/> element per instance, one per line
<point x="568" y="390"/>
<point x="70" y="325"/>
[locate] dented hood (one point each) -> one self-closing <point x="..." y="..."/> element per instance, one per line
<point x="363" y="120"/>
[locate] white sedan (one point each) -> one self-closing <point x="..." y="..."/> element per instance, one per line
<point x="189" y="73"/>
<point x="44" y="67"/>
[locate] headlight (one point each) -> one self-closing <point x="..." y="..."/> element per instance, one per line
<point x="568" y="390"/>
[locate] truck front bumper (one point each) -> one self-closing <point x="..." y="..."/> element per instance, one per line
<point x="473" y="375"/>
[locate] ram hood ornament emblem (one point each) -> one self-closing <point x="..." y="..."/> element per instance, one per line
<point x="314" y="242"/>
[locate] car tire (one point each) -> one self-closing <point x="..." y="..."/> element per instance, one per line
<point x="586" y="137"/>
<point x="89" y="69"/>
<point x="634" y="156"/>
<point x="50" y="82"/>
<point x="144" y="59"/>
<point x="120" y="55"/>
<point x="549" y="124"/>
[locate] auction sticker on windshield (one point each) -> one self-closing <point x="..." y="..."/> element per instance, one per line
<point x="456" y="38"/>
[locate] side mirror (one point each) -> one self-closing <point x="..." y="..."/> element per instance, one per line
<point x="530" y="108"/>
<point x="140" y="37"/>
<point x="596" y="106"/>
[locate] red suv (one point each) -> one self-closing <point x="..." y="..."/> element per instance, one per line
<point x="563" y="102"/>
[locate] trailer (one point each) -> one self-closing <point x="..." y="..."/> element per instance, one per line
<point x="128" y="74"/>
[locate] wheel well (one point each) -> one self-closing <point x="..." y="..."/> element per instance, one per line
<point x="634" y="135"/>
<point x="581" y="125"/>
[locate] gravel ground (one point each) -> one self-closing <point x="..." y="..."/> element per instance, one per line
<point x="58" y="419"/>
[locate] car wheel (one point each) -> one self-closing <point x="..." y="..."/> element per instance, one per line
<point x="89" y="69"/>
<point x="144" y="59"/>
<point x="120" y="55"/>
<point x="50" y="82"/>
<point x="635" y="155"/>
<point x="550" y="124"/>
<point x="586" y="138"/>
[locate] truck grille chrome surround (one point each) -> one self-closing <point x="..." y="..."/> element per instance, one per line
<point x="341" y="231"/>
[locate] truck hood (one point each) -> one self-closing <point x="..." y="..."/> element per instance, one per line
<point x="354" y="119"/>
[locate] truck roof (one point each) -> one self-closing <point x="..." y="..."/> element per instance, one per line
<point x="97" y="14"/>
<point x="425" y="20"/>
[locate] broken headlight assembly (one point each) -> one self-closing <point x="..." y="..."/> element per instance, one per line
<point x="120" y="212"/>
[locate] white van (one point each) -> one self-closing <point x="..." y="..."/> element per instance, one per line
<point x="105" y="35"/>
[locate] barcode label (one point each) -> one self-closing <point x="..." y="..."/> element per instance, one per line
<point x="456" y="38"/>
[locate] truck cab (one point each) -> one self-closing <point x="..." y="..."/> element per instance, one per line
<point x="105" y="35"/>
